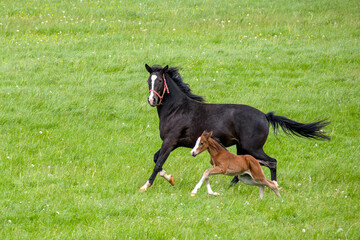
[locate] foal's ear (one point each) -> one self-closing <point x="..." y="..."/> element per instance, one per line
<point x="207" y="135"/>
<point x="149" y="69"/>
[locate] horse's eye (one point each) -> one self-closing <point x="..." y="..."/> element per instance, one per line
<point x="202" y="143"/>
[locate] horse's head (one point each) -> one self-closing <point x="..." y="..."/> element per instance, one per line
<point x="157" y="85"/>
<point x="202" y="143"/>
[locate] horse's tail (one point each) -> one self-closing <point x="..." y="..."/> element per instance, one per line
<point x="290" y="127"/>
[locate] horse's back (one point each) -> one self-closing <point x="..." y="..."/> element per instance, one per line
<point x="229" y="122"/>
<point x="233" y="123"/>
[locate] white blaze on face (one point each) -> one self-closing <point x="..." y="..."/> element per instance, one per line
<point x="151" y="96"/>
<point x="194" y="150"/>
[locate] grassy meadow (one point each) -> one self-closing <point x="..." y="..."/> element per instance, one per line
<point x="77" y="135"/>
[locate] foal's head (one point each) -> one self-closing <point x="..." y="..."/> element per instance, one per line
<point x="157" y="84"/>
<point x="202" y="143"/>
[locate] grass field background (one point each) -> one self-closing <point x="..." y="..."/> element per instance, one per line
<point x="77" y="135"/>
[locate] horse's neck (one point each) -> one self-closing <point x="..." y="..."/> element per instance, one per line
<point x="172" y="100"/>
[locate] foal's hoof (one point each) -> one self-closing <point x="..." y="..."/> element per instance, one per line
<point x="215" y="194"/>
<point x="193" y="194"/>
<point x="277" y="185"/>
<point x="172" y="181"/>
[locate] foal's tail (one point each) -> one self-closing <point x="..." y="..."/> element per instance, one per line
<point x="308" y="130"/>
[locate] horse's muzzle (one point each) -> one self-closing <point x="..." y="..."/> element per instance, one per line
<point x="152" y="102"/>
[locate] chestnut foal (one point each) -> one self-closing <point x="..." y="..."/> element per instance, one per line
<point x="246" y="167"/>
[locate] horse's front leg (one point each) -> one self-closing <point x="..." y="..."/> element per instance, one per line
<point x="164" y="153"/>
<point x="162" y="172"/>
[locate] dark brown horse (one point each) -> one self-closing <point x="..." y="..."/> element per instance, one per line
<point x="245" y="167"/>
<point x="184" y="116"/>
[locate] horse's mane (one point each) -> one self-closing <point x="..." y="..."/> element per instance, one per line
<point x="176" y="77"/>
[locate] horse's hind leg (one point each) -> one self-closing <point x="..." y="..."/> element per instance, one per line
<point x="235" y="180"/>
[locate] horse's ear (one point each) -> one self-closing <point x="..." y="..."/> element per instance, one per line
<point x="210" y="134"/>
<point x="204" y="133"/>
<point x="149" y="69"/>
<point x="165" y="69"/>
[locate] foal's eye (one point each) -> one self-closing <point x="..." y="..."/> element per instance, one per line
<point x="202" y="143"/>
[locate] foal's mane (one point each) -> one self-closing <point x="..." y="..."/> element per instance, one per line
<point x="216" y="144"/>
<point x="174" y="74"/>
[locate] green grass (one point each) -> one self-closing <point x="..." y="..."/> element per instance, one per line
<point x="77" y="136"/>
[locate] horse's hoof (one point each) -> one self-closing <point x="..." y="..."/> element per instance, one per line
<point x="172" y="181"/>
<point x="193" y="194"/>
<point x="145" y="187"/>
<point x="215" y="194"/>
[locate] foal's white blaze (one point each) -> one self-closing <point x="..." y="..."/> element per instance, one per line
<point x="151" y="96"/>
<point x="194" y="150"/>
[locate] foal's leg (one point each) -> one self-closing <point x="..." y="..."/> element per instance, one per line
<point x="272" y="163"/>
<point x="259" y="176"/>
<point x="239" y="151"/>
<point x="207" y="173"/>
<point x="271" y="184"/>
<point x="261" y="193"/>
<point x="210" y="191"/>
<point x="274" y="186"/>
<point x="194" y="191"/>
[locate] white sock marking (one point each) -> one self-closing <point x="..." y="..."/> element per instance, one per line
<point x="164" y="175"/>
<point x="198" y="185"/>
<point x="145" y="187"/>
